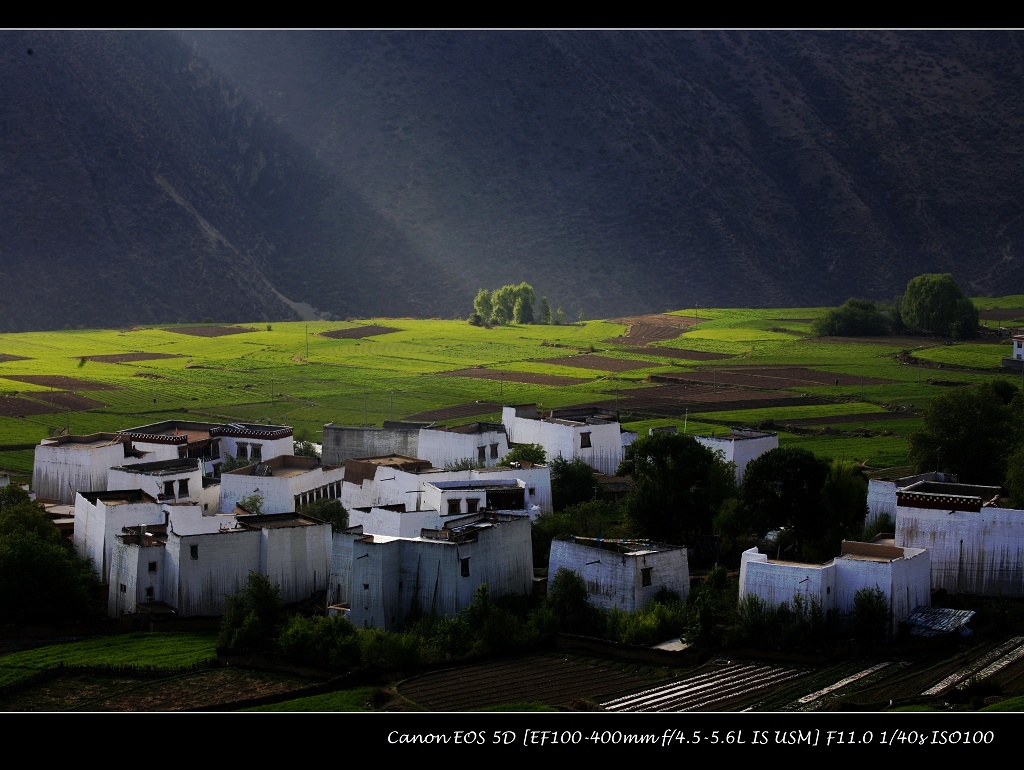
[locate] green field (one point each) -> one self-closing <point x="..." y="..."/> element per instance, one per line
<point x="291" y="373"/>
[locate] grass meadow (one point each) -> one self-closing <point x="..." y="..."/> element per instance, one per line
<point x="292" y="373"/>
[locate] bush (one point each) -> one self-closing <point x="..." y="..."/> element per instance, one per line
<point x="253" y="617"/>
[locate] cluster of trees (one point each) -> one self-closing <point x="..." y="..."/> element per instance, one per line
<point x="42" y="580"/>
<point x="512" y="303"/>
<point x="933" y="303"/>
<point x="683" y="490"/>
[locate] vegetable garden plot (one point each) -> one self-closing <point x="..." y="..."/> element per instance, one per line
<point x="528" y="378"/>
<point x="121" y="358"/>
<point x="601" y="363"/>
<point x="60" y="381"/>
<point x="773" y="377"/>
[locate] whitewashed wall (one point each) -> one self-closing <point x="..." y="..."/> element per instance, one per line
<point x="564" y="440"/>
<point x="780" y="582"/>
<point x="905" y="583"/>
<point x="130" y="568"/>
<point x="380" y="521"/>
<point x="221" y="569"/>
<point x="269" y="448"/>
<point x="97" y="524"/>
<point x="971" y="552"/>
<point x="376" y="572"/>
<point x="58" y="473"/>
<point x="740" y="450"/>
<point x="442" y="447"/>
<point x="297" y="558"/>
<point x="153" y="484"/>
<point x="341" y="443"/>
<point x="615" y="579"/>
<point x="278" y="491"/>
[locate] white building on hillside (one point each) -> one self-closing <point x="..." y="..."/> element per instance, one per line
<point x="902" y="574"/>
<point x="741" y="446"/>
<point x="285" y="483"/>
<point x="382" y="580"/>
<point x="66" y="465"/>
<point x="191" y="564"/>
<point x="976" y="546"/>
<point x="621" y="573"/>
<point x="482" y="443"/>
<point x="99" y="516"/>
<point x="585" y="433"/>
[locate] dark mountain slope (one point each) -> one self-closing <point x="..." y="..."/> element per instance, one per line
<point x="157" y="176"/>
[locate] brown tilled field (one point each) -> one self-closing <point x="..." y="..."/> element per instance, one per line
<point x="688" y="355"/>
<point x="64" y="400"/>
<point x="8" y="357"/>
<point x="472" y="409"/>
<point x="529" y="378"/>
<point x="62" y="382"/>
<point x="14" y="406"/>
<point x="209" y="331"/>
<point x="122" y="358"/>
<point x="646" y="329"/>
<point x="358" y="332"/>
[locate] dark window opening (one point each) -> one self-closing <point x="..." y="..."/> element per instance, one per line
<point x="182" y="487"/>
<point x="257" y="452"/>
<point x="168" y="489"/>
<point x="453" y="507"/>
<point x="124" y="588"/>
<point x="494" y="451"/>
<point x="645" y="576"/>
<point x="150" y="592"/>
<point x="152" y="566"/>
<point x="194" y="551"/>
<point x="465" y="566"/>
<point x="473" y="505"/>
<point x="481" y="453"/>
<point x="584" y="440"/>
<point x="366" y="586"/>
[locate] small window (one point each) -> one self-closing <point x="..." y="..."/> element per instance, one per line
<point x="168" y="489"/>
<point x="645" y="576"/>
<point x="152" y="566"/>
<point x="494" y="451"/>
<point x="453" y="507"/>
<point x="472" y="505"/>
<point x="150" y="593"/>
<point x="257" y="452"/>
<point x="481" y="453"/>
<point x="584" y="440"/>
<point x="182" y="487"/>
<point x="465" y="566"/>
<point x="242" y="452"/>
<point x="124" y="588"/>
<point x="366" y="586"/>
<point x="194" y="551"/>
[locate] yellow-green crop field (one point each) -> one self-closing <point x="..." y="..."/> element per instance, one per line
<point x="291" y="373"/>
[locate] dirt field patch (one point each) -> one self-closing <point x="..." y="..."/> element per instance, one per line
<point x="358" y="332"/>
<point x="60" y="381"/>
<point x="772" y="377"/>
<point x="14" y="406"/>
<point x="678" y="400"/>
<point x="8" y="357"/>
<point x="646" y="329"/>
<point x="841" y="419"/>
<point x="210" y="331"/>
<point x="689" y="355"/>
<point x="1001" y="314"/>
<point x="601" y="363"/>
<point x="528" y="378"/>
<point x="122" y="358"/>
<point x="456" y="412"/>
<point x="61" y="400"/>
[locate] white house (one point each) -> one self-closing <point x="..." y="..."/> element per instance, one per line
<point x="587" y="433"/>
<point x="902" y="574"/>
<point x="285" y="483"/>
<point x="622" y="573"/>
<point x="483" y="443"/>
<point x="400" y="480"/>
<point x="882" y="493"/>
<point x="382" y="580"/>
<point x="741" y="446"/>
<point x="211" y="442"/>
<point x="65" y="465"/>
<point x="172" y="481"/>
<point x="190" y="567"/>
<point x="1018" y="347"/>
<point x="976" y="546"/>
<point x="99" y="516"/>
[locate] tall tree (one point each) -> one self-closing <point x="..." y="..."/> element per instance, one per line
<point x="483" y="305"/>
<point x="782" y="489"/>
<point x="968" y="431"/>
<point x="545" y="311"/>
<point x="679" y="486"/>
<point x="934" y="304"/>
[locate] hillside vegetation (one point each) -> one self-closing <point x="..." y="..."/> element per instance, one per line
<point x="847" y="398"/>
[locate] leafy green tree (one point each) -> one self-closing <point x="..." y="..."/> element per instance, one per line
<point x="305" y="449"/>
<point x="933" y="303"/>
<point x="855" y="317"/>
<point x="523" y="307"/>
<point x="844" y="505"/>
<point x="524" y="453"/>
<point x="559" y="318"/>
<point x="545" y="311"/>
<point x="253" y="618"/>
<point x="590" y="518"/>
<point x="569" y="604"/>
<point x="968" y="431"/>
<point x="678" y="486"/>
<point x="871" y="615"/>
<point x="483" y="305"/>
<point x="252" y="503"/>
<point x="331" y="511"/>
<point x="782" y="489"/>
<point x="504" y="303"/>
<point x="572" y="481"/>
